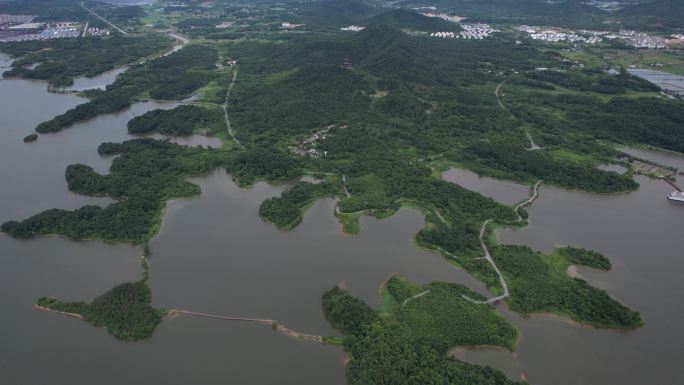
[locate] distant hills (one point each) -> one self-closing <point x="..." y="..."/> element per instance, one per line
<point x="658" y="15"/>
<point x="408" y="19"/>
<point x="655" y="15"/>
<point x="335" y="13"/>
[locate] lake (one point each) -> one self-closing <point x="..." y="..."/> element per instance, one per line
<point x="641" y="232"/>
<point x="215" y="255"/>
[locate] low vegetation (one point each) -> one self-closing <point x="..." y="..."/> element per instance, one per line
<point x="180" y="121"/>
<point x="286" y="210"/>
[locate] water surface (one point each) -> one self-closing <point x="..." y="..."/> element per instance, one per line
<point x="215" y="255"/>
<point x="641" y="232"/>
<point x="100" y="81"/>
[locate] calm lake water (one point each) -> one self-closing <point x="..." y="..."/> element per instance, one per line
<point x="99" y="81"/>
<point x="215" y="255"/>
<point x="641" y="232"/>
<point x="41" y="348"/>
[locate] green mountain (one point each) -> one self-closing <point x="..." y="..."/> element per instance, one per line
<point x="660" y="15"/>
<point x="334" y="13"/>
<point x="570" y="13"/>
<point x="408" y="19"/>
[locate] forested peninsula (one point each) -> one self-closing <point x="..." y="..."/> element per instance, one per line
<point x="374" y="117"/>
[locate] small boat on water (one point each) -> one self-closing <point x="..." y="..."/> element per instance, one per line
<point x="676" y="196"/>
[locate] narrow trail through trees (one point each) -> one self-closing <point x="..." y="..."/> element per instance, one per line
<point x="225" y="109"/>
<point x="533" y="146"/>
<point x="488" y="257"/>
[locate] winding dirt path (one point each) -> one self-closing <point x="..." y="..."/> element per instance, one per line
<point x="533" y="146"/>
<point x="488" y="257"/>
<point x="496" y="92"/>
<point x="414" y="297"/>
<point x="344" y="186"/>
<point x="225" y="109"/>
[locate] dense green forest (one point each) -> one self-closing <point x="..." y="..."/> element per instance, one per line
<point x="441" y="315"/>
<point x="658" y="15"/>
<point x="520" y="164"/>
<point x="662" y="15"/>
<point x="584" y="257"/>
<point x="46" y="10"/>
<point x="144" y="175"/>
<point x="286" y="211"/>
<point x="539" y="283"/>
<point x="124" y="311"/>
<point x="180" y="121"/>
<point x="382" y="352"/>
<point x="71" y="10"/>
<point x="175" y="76"/>
<point x="60" y="61"/>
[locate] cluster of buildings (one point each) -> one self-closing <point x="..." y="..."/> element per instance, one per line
<point x="632" y="38"/>
<point x="96" y="32"/>
<point x="470" y="31"/>
<point x="450" y="35"/>
<point x="286" y="25"/>
<point x="477" y="31"/>
<point x="225" y="24"/>
<point x="444" y="16"/>
<point x="558" y="35"/>
<point x="353" y="28"/>
<point x="7" y="20"/>
<point x="639" y="39"/>
<point x="42" y="31"/>
<point x="308" y="146"/>
<point x="22" y="28"/>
